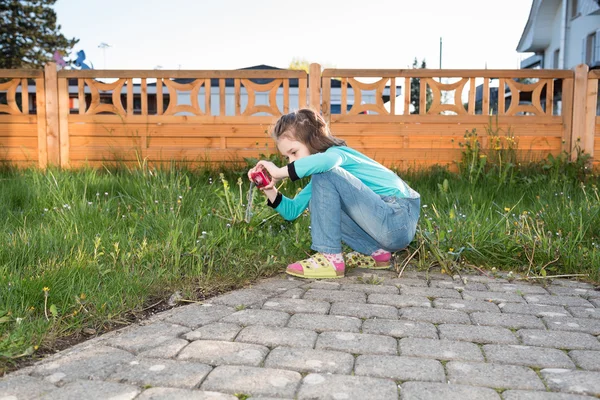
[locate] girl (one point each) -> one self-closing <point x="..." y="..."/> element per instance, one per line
<point x="353" y="199"/>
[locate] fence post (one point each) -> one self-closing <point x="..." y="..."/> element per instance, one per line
<point x="314" y="85"/>
<point x="52" y="124"/>
<point x="579" y="125"/>
<point x="590" y="115"/>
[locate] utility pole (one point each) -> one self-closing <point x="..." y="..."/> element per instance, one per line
<point x="104" y="46"/>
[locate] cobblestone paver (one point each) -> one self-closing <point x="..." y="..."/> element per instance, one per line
<point x="421" y="336"/>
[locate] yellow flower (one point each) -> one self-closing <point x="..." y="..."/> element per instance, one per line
<point x="507" y="209"/>
<point x="75" y="313"/>
<point x="82" y="296"/>
<point x="36" y="347"/>
<point x="46" y="289"/>
<point x="451" y="249"/>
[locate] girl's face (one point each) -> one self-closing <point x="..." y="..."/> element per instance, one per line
<point x="292" y="149"/>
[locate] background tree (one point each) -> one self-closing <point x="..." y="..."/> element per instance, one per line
<point x="299" y="64"/>
<point x="29" y="35"/>
<point x="415" y="89"/>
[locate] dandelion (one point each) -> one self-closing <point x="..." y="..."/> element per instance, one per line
<point x="82" y="296"/>
<point x="424" y="206"/>
<point x="45" y="210"/>
<point x="46" y="289"/>
<point x="97" y="194"/>
<point x="203" y="233"/>
<point x="507" y="209"/>
<point x="180" y="197"/>
<point x="89" y="203"/>
<point x="106" y="193"/>
<point x="229" y="225"/>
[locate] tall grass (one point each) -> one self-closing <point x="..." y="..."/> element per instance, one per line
<point x="85" y="250"/>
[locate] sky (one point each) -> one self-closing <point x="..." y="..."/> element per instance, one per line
<point x="233" y="34"/>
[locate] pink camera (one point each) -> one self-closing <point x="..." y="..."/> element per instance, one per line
<point x="260" y="178"/>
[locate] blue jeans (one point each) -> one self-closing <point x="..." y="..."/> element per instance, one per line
<point x="343" y="209"/>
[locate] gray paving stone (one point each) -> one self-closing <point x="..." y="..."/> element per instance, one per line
<point x="438" y="276"/>
<point x="429" y="292"/>
<point x="586" y="325"/>
<point x="347" y="387"/>
<point x="586" y="359"/>
<point x="439" y="391"/>
<point x="520" y="289"/>
<point x="296" y="293"/>
<point x="323" y="323"/>
<point x="182" y="394"/>
<point x="93" y="390"/>
<point x="88" y="362"/>
<point x="566" y="380"/>
<point x="357" y="343"/>
<point x="218" y="353"/>
<point x="309" y="360"/>
<point x="257" y="317"/>
<point x="294" y="306"/>
<point x="399" y="368"/>
<point x="571" y="301"/>
<point x="165" y="350"/>
<point x="273" y="336"/>
<point x="325" y="285"/>
<point x="496" y="297"/>
<point x="195" y="315"/>
<point x="409" y="282"/>
<point x="360" y="310"/>
<point x="252" y="381"/>
<point x="595" y="302"/>
<point x="400" y="328"/>
<point x="335" y="296"/>
<point x="477" y="334"/>
<point x="493" y="375"/>
<point x="435" y="316"/>
<point x="278" y="285"/>
<point x="399" y="300"/>
<point x="569" y="291"/>
<point x="483" y="279"/>
<point x="585" y="312"/>
<point x="368" y="289"/>
<point x="572" y="283"/>
<point x="214" y="331"/>
<point x="559" y="339"/>
<point x="24" y="387"/>
<point x="137" y="339"/>
<point x="528" y="356"/>
<point x="467" y="306"/>
<point x="511" y="321"/>
<point x="143" y="372"/>
<point x="539" y="310"/>
<point x="243" y="297"/>
<point x="529" y="395"/>
<point x="458" y="285"/>
<point x="440" y="349"/>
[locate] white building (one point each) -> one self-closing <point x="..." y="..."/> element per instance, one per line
<point x="562" y="34"/>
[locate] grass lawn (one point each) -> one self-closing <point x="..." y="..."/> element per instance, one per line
<point x="87" y="250"/>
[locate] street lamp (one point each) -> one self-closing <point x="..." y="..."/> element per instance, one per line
<point x="104" y="46"/>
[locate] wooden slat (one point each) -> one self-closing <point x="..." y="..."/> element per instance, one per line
<point x="590" y="117"/>
<point x="159" y="97"/>
<point x="448" y="73"/>
<point x="550" y="97"/>
<point x="52" y="125"/>
<point x="326" y="100"/>
<point x="24" y="96"/>
<point x="393" y="96"/>
<point x="40" y="95"/>
<point x="344" y="98"/>
<point x="422" y="97"/>
<point x="472" y="90"/>
<point x="129" y="96"/>
<point x="286" y="96"/>
<point x="302" y="103"/>
<point x="407" y="92"/>
<point x="19" y="130"/>
<point x="567" y="112"/>
<point x="17" y="142"/>
<point x="485" y="104"/>
<point x="207" y="97"/>
<point x="222" y="97"/>
<point x="144" y="95"/>
<point x="174" y="74"/>
<point x="315" y="83"/>
<point x="580" y="100"/>
<point x="81" y="96"/>
<point x="63" y="121"/>
<point x="501" y="97"/>
<point x="22" y="73"/>
<point x="237" y="97"/>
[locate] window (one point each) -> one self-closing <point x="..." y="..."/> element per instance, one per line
<point x="556" y="59"/>
<point x="591" y="49"/>
<point x="574" y="8"/>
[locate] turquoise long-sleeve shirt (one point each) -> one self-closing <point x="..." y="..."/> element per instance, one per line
<point x="375" y="176"/>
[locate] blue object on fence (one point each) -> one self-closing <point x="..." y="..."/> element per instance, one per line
<point x="79" y="62"/>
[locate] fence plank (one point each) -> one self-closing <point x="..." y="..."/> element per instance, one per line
<point x="52" y="125"/>
<point x="63" y="121"/>
<point x="41" y="122"/>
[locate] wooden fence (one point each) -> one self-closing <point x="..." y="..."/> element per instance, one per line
<point x="73" y="118"/>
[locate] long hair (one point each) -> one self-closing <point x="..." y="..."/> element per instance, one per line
<point x="307" y="127"/>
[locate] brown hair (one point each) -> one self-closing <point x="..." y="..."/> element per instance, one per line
<point x="307" y="127"/>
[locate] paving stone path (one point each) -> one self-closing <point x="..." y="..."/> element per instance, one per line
<point x="370" y="335"/>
